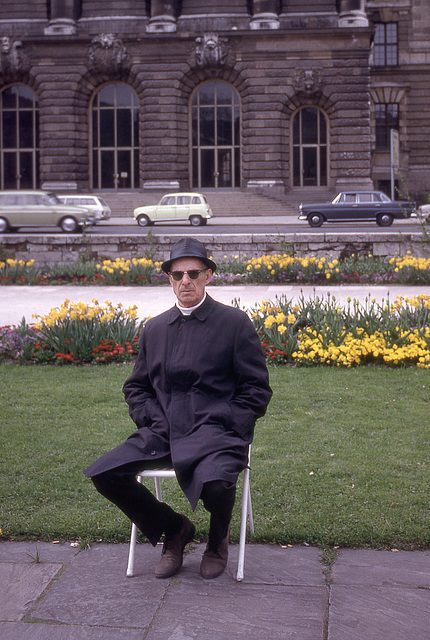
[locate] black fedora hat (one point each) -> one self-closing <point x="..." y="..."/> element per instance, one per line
<point x="188" y="248"/>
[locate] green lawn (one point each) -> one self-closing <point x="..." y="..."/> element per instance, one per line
<point x="341" y="458"/>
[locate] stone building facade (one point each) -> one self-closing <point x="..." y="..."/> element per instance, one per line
<point x="279" y="95"/>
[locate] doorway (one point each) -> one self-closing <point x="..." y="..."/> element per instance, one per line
<point x="309" y="148"/>
<point x="19" y="138"/>
<point x="215" y="115"/>
<point x="115" y="138"/>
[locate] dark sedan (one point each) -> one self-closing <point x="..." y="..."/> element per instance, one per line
<point x="355" y="206"/>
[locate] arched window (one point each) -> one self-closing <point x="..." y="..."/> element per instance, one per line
<point x="215" y="114"/>
<point x="309" y="148"/>
<point x="19" y="138"/>
<point x="115" y="138"/>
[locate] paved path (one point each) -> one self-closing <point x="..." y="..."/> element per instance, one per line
<point x="84" y="595"/>
<point x="19" y="302"/>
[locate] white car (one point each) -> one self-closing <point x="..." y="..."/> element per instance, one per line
<point x="176" y="207"/>
<point x="424" y="212"/>
<point x="95" y="204"/>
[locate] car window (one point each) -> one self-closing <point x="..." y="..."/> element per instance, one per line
<point x="33" y="199"/>
<point x="184" y="199"/>
<point x="364" y="197"/>
<point x="53" y="199"/>
<point x="86" y="201"/>
<point x="168" y="200"/>
<point x="102" y="202"/>
<point x="384" y="197"/>
<point x="349" y="197"/>
<point x="8" y="200"/>
<point x="196" y="200"/>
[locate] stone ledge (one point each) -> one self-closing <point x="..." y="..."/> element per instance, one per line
<point x="57" y="248"/>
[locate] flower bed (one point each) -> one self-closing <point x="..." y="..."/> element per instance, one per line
<point x="309" y="332"/>
<point x="75" y="333"/>
<point x="277" y="268"/>
<point x="321" y="332"/>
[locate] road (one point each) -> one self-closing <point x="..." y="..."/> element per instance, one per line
<point x="237" y="225"/>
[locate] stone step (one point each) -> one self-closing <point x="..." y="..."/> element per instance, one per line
<point x="223" y="203"/>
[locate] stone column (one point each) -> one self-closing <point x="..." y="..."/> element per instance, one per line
<point x="162" y="16"/>
<point x="352" y="13"/>
<point x="265" y="14"/>
<point x="63" y="17"/>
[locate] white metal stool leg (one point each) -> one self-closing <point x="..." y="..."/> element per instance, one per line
<point x="250" y="514"/>
<point x="246" y="510"/>
<point x="156" y="474"/>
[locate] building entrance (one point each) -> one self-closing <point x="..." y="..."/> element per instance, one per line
<point x="19" y="138"/>
<point x="215" y="115"/>
<point x="115" y="134"/>
<point x="310" y="148"/>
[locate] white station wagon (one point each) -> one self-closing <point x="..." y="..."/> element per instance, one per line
<point x="94" y="204"/>
<point x="176" y="207"/>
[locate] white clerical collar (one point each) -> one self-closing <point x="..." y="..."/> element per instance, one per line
<point x="187" y="311"/>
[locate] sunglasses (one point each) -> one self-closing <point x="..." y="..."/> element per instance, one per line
<point x="193" y="274"/>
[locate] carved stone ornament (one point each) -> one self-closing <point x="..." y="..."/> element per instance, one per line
<point x="211" y="51"/>
<point x="107" y="54"/>
<point x="13" y="62"/>
<point x="307" y="82"/>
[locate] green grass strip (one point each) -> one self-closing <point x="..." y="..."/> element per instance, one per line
<point x="341" y="458"/>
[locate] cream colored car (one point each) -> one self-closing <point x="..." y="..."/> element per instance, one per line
<point x="176" y="207"/>
<point x="40" y="209"/>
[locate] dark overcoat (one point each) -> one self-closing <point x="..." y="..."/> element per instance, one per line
<point x="198" y="386"/>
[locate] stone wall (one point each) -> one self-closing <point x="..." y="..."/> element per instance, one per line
<point x="60" y="248"/>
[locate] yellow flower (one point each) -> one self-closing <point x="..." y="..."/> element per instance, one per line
<point x="282" y="329"/>
<point x="269" y="321"/>
<point x="291" y="318"/>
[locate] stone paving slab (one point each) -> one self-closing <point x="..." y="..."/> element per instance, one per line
<point x="34" y="631"/>
<point x="367" y="613"/>
<point x="21" y="585"/>
<point x="46" y="551"/>
<point x="380" y="594"/>
<point x="207" y="610"/>
<point x="93" y="590"/>
<point x="382" y="568"/>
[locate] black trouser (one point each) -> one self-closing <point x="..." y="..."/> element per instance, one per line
<point x="153" y="518"/>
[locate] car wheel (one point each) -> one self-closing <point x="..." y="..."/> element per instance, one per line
<point x="143" y="221"/>
<point x="384" y="219"/>
<point x="196" y="221"/>
<point x="4" y="225"/>
<point x="315" y="219"/>
<point x="68" y="224"/>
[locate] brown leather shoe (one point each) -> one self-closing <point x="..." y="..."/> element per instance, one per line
<point x="214" y="561"/>
<point x="173" y="550"/>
